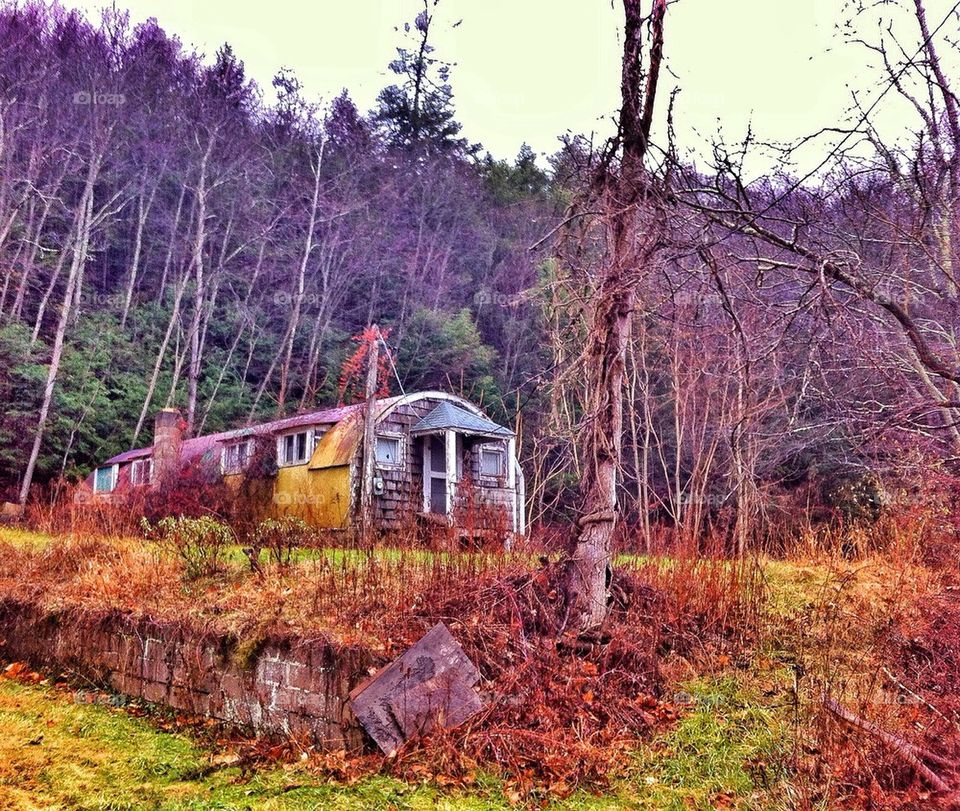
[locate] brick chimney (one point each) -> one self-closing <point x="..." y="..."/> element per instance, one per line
<point x="167" y="436"/>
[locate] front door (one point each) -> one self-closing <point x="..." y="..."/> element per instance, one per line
<point x="435" y="490"/>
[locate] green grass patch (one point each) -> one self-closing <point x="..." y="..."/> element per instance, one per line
<point x="56" y="753"/>
<point x="346" y="558"/>
<point x="727" y="750"/>
<point x="794" y="587"/>
<point x="24" y="538"/>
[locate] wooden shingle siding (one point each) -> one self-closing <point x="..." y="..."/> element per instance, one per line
<point x="402" y="496"/>
<point x="402" y="488"/>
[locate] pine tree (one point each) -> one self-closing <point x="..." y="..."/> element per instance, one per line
<point x="417" y="112"/>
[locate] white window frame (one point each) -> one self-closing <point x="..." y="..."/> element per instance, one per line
<point x="245" y="456"/>
<point x="135" y="465"/>
<point x="499" y="451"/>
<point x="309" y="447"/>
<point x="114" y="470"/>
<point x="400" y="439"/>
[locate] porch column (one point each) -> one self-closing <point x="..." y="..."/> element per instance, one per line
<point x="512" y="481"/>
<point x="450" y="440"/>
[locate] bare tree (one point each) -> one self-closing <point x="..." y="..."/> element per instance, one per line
<point x="629" y="196"/>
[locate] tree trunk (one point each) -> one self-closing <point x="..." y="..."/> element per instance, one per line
<point x="143" y="211"/>
<point x="193" y="370"/>
<point x="626" y="195"/>
<point x="161" y="352"/>
<point x="296" y="302"/>
<point x="84" y="218"/>
<point x="369" y="440"/>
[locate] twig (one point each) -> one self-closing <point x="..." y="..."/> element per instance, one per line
<point x="907" y="751"/>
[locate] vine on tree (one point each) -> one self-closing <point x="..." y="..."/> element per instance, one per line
<point x="353" y="373"/>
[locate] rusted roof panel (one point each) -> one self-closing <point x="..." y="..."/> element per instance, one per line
<point x="339" y="444"/>
<point x="196" y="447"/>
<point x="128" y="456"/>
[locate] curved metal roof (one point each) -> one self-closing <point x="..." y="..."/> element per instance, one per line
<point x="344" y="433"/>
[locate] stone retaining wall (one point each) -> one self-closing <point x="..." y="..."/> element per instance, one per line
<point x="292" y="687"/>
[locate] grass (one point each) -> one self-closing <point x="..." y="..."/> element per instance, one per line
<point x="24" y="538"/>
<point x="56" y="753"/>
<point x="793" y="587"/>
<point x="346" y="595"/>
<point x="728" y="749"/>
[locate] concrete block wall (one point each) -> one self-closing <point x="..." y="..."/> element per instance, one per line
<point x="294" y="686"/>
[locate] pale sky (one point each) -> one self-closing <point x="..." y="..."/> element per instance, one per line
<point x="530" y="70"/>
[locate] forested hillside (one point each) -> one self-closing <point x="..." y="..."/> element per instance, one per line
<point x="171" y="234"/>
<point x="174" y="235"/>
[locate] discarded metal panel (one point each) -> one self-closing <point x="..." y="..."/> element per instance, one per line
<point x="432" y="684"/>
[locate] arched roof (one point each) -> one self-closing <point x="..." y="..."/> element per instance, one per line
<point x="341" y="442"/>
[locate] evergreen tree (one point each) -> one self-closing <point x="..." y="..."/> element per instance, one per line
<point x="417" y="112"/>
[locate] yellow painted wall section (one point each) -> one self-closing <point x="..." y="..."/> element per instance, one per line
<point x="319" y="497"/>
<point x="317" y="492"/>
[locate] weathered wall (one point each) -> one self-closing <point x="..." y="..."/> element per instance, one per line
<point x="289" y="687"/>
<point x="403" y="488"/>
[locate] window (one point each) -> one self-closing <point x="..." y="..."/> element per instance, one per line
<point x="492" y="462"/>
<point x="292" y="448"/>
<point x="105" y="479"/>
<point x="236" y="456"/>
<point x="141" y="471"/>
<point x="389" y="451"/>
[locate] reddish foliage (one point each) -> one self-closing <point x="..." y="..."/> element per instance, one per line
<point x="561" y="711"/>
<point x="70" y="508"/>
<point x="194" y="492"/>
<point x="927" y="663"/>
<point x="353" y="373"/>
<point x="480" y="525"/>
<point x="922" y="655"/>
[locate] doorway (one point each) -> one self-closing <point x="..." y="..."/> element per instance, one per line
<point x="435" y="489"/>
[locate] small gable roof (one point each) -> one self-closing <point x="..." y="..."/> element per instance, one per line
<point x="449" y="417"/>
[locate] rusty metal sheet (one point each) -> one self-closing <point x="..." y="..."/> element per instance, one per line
<point x="433" y="683"/>
<point x="339" y="444"/>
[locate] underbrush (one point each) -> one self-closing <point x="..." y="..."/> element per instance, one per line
<point x="562" y="711"/>
<point x="870" y="645"/>
<point x="714" y="670"/>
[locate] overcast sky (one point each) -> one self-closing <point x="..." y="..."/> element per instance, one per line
<point x="530" y="70"/>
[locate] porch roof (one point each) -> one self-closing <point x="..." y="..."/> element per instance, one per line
<point x="448" y="417"/>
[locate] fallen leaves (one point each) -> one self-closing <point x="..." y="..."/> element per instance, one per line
<point x="21" y="671"/>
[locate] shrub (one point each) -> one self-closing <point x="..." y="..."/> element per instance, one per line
<point x="195" y="492"/>
<point x="198" y="542"/>
<point x="279" y="536"/>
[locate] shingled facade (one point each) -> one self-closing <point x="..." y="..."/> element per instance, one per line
<point x="433" y="454"/>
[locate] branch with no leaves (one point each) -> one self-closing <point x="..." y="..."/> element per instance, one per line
<point x="909" y="753"/>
